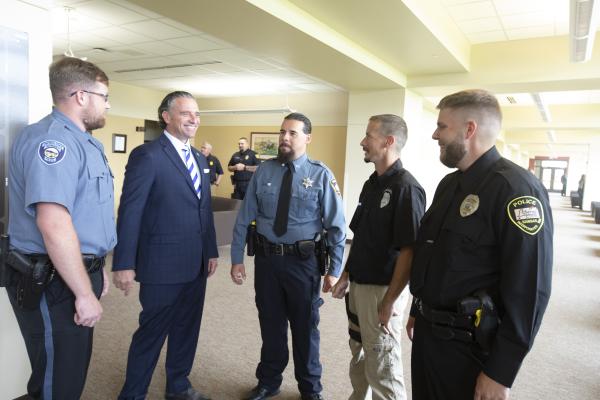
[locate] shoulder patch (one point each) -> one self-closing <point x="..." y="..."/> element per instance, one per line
<point x="526" y="213"/>
<point x="335" y="187"/>
<point x="51" y="151"/>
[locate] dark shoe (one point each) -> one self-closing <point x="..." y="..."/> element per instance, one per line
<point x="260" y="393"/>
<point x="190" y="394"/>
<point x="313" y="396"/>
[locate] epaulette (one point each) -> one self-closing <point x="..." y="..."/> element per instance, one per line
<point x="316" y="162"/>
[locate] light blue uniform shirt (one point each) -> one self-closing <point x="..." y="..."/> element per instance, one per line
<point x="316" y="203"/>
<point x="53" y="161"/>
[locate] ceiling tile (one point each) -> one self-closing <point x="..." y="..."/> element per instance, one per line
<point x="526" y="20"/>
<point x="193" y="43"/>
<point x="506" y="7"/>
<point x="121" y="35"/>
<point x="525" y="33"/>
<point x="480" y="9"/>
<point x="180" y="26"/>
<point x="222" y="68"/>
<point x="315" y="87"/>
<point x="91" y="40"/>
<point x="76" y="22"/>
<point x="136" y="8"/>
<point x="155" y="29"/>
<point x="253" y="64"/>
<point x="480" y="25"/>
<point x="486" y="37"/>
<point x="109" y="12"/>
<point x="158" y="48"/>
<point x="228" y="55"/>
<point x="196" y="57"/>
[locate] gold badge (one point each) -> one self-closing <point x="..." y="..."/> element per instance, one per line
<point x="211" y="163"/>
<point x="526" y="213"/>
<point x="247" y="157"/>
<point x="469" y="205"/>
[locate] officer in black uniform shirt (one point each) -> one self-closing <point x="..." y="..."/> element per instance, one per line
<point x="481" y="274"/>
<point x="216" y="171"/>
<point x="243" y="163"/>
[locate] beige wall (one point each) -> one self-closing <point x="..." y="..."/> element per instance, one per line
<point x="328" y="143"/>
<point x="117" y="161"/>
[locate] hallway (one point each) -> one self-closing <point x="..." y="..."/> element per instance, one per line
<point x="564" y="363"/>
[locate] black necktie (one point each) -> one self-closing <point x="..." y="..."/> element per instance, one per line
<point x="283" y="204"/>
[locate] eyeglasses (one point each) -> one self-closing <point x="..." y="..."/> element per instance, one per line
<point x="90" y="92"/>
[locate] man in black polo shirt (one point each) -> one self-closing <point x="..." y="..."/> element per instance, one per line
<point x="243" y="163"/>
<point x="216" y="171"/>
<point x="385" y="226"/>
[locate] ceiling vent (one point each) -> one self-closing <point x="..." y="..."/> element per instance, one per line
<point x="583" y="21"/>
<point x="164" y="67"/>
<point x="511" y="100"/>
<point x="542" y="108"/>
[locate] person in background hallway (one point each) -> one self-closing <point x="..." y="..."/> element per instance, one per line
<point x="167" y="242"/>
<point x="482" y="266"/>
<point x="292" y="199"/>
<point x="385" y="226"/>
<point x="580" y="190"/>
<point x="61" y="216"/>
<point x="216" y="172"/>
<point x="563" y="181"/>
<point x="243" y="163"/>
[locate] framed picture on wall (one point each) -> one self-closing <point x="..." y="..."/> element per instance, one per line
<point x="119" y="143"/>
<point x="264" y="144"/>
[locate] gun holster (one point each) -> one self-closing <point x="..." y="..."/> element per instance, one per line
<point x="485" y="317"/>
<point x="6" y="272"/>
<point x="322" y="252"/>
<point x="305" y="249"/>
<point x="251" y="239"/>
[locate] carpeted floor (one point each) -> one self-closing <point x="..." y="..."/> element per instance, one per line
<point x="564" y="362"/>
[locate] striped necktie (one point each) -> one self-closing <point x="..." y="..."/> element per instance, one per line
<point x="189" y="163"/>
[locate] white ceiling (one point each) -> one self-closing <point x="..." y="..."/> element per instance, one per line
<point x="142" y="48"/>
<point x="136" y="46"/>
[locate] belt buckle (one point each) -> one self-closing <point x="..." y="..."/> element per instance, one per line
<point x="279" y="249"/>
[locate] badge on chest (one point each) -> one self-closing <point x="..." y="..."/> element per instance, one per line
<point x="469" y="205"/>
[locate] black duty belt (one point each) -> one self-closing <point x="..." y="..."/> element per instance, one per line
<point x="91" y="262"/>
<point x="277" y="249"/>
<point x="447" y="325"/>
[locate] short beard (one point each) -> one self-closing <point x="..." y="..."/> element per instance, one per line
<point x="92" y="123"/>
<point x="454" y="152"/>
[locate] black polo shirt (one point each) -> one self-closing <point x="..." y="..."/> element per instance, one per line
<point x="386" y="219"/>
<point x="247" y="157"/>
<point x="215" y="167"/>
<point x="489" y="227"/>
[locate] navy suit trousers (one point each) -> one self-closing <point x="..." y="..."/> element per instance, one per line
<point x="173" y="311"/>
<point x="287" y="289"/>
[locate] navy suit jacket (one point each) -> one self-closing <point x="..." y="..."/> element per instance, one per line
<point x="164" y="231"/>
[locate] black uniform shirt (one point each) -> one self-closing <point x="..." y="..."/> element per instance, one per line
<point x="247" y="157"/>
<point x="502" y="242"/>
<point x="215" y="167"/>
<point x="387" y="218"/>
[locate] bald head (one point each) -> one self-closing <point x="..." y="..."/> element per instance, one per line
<point x="206" y="149"/>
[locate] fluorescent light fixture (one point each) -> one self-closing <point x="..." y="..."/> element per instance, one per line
<point x="583" y="21"/>
<point x="249" y="111"/>
<point x="541" y="106"/>
<point x="551" y="135"/>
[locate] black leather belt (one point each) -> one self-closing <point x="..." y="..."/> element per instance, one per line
<point x="277" y="249"/>
<point x="447" y="325"/>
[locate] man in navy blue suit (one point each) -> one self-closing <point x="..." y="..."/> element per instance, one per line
<point x="167" y="242"/>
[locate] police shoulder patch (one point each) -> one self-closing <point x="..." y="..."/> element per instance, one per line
<point x="526" y="213"/>
<point x="51" y="151"/>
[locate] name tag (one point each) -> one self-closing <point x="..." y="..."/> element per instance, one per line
<point x="206" y="170"/>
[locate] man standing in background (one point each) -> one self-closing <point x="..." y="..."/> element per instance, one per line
<point x="167" y="242"/>
<point x="61" y="220"/>
<point x="243" y="163"/>
<point x="214" y="165"/>
<point x="385" y="226"/>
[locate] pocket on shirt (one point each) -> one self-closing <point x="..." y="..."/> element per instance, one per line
<point x="304" y="204"/>
<point x="101" y="180"/>
<point x="267" y="201"/>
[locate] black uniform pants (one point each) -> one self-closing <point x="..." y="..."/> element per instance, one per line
<point x="59" y="350"/>
<point x="239" y="192"/>
<point x="443" y="369"/>
<point x="287" y="289"/>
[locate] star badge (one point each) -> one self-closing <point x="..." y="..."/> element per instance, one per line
<point x="307" y="182"/>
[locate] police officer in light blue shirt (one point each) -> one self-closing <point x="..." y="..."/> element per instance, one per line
<point x="61" y="212"/>
<point x="292" y="199"/>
